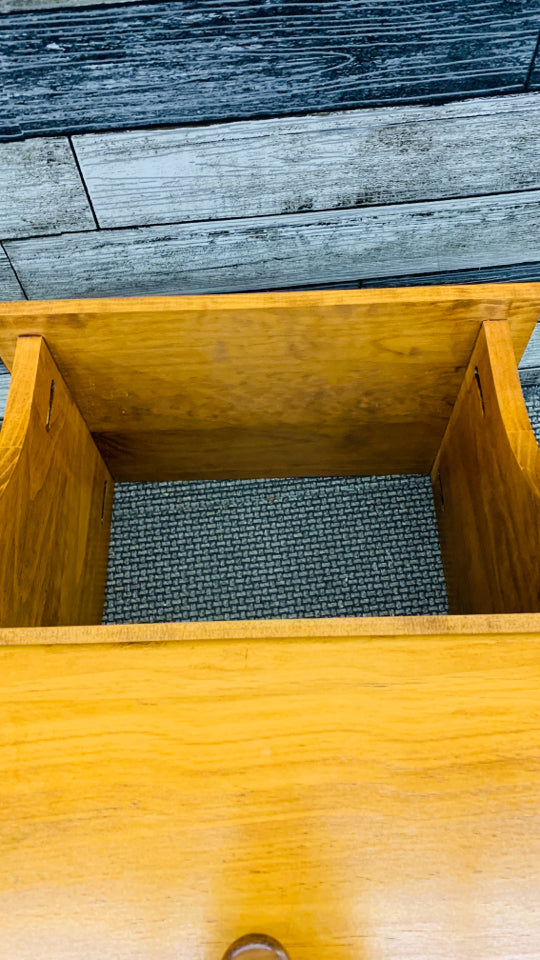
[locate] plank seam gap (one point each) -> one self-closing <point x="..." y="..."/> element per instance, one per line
<point x="267" y="216"/>
<point x="83" y="182"/>
<point x="471" y="270"/>
<point x="312" y="115"/>
<point x="434" y="101"/>
<point x="532" y="64"/>
<point x="15" y="274"/>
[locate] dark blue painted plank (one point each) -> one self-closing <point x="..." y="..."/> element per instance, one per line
<point x="201" y="60"/>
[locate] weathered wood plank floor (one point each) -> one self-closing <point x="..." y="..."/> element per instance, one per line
<point x="390" y="195"/>
<point x="41" y="190"/>
<point x="10" y="288"/>
<point x="264" y="253"/>
<point x="292" y="165"/>
<point x="141" y="64"/>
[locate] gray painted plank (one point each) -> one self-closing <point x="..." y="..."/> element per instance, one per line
<point x="10" y="288"/>
<point x="289" y="165"/>
<point x="530" y="377"/>
<point x="40" y="189"/>
<point x="270" y="252"/>
<point x="5" y="381"/>
<point x="9" y="126"/>
<point x="170" y="63"/>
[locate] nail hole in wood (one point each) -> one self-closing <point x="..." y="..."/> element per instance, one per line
<point x="105" y="485"/>
<point x="51" y="398"/>
<point x="479" y="385"/>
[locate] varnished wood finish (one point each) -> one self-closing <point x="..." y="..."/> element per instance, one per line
<point x="373" y="798"/>
<point x="306" y="628"/>
<point x="486" y="484"/>
<point x="55" y="501"/>
<point x="299" y="384"/>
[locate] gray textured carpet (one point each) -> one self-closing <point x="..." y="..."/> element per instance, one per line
<point x="274" y="548"/>
<point x="277" y="548"/>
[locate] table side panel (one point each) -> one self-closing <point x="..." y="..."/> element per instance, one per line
<point x="55" y="501"/>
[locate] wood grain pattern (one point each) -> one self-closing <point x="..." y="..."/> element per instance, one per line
<point x="486" y="486"/>
<point x="10" y="288"/>
<point x="290" y="165"/>
<point x="162" y="63"/>
<point x="368" y="798"/>
<point x="55" y="501"/>
<point x="282" y="251"/>
<point x="41" y="189"/>
<point x="506" y="273"/>
<point x="287" y="384"/>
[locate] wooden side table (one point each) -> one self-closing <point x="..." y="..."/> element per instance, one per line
<point x="356" y="787"/>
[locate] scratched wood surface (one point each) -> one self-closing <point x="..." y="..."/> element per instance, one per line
<point x="139" y="64"/>
<point x="278" y="251"/>
<point x="323" y="383"/>
<point x="486" y="487"/>
<point x="40" y="189"/>
<point x="367" y="798"/>
<point x="289" y="165"/>
<point x="55" y="501"/>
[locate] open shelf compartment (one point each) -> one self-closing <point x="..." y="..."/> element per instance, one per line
<point x="332" y="383"/>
